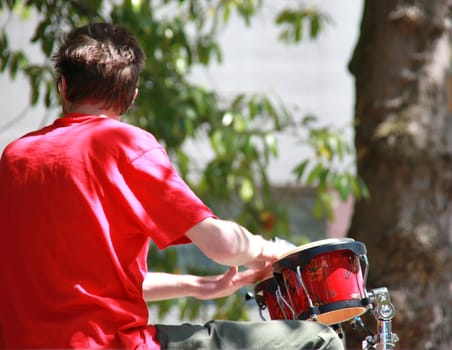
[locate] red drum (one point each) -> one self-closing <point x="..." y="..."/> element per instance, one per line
<point x="323" y="280"/>
<point x="269" y="295"/>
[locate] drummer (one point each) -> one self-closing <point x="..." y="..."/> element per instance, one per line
<point x="80" y="202"/>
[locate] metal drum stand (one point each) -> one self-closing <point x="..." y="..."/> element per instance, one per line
<point x="383" y="311"/>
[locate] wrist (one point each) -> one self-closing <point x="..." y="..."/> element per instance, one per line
<point x="258" y="247"/>
<point x="191" y="284"/>
<point x="257" y="253"/>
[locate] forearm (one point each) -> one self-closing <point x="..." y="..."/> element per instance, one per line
<point x="227" y="242"/>
<point x="163" y="286"/>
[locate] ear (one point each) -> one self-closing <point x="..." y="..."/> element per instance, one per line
<point x="62" y="88"/>
<point x="135" y="94"/>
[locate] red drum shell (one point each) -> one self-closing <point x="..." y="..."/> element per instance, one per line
<point x="331" y="272"/>
<point x="266" y="298"/>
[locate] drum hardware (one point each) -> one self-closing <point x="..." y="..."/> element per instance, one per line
<point x="261" y="306"/>
<point x="383" y="311"/>
<point x="357" y="321"/>
<point x="261" y="315"/>
<point x="340" y="332"/>
<point x="313" y="310"/>
<point x="363" y="257"/>
<point x="269" y="295"/>
<point x="283" y="304"/>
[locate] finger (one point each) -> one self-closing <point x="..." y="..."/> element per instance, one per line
<point x="233" y="269"/>
<point x="255" y="265"/>
<point x="231" y="272"/>
<point x="250" y="276"/>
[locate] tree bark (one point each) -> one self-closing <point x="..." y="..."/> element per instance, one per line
<point x="403" y="138"/>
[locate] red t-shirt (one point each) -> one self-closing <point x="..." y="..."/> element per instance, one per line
<point x="80" y="201"/>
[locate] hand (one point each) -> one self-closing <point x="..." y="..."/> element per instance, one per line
<point x="164" y="286"/>
<point x="213" y="287"/>
<point x="271" y="251"/>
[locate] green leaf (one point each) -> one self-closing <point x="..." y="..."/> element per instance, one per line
<point x="227" y="12"/>
<point x="48" y="95"/>
<point x="361" y="190"/>
<point x="314" y="174"/>
<point x="323" y="206"/>
<point x="39" y="33"/>
<point x="270" y="143"/>
<point x="246" y="190"/>
<point x="216" y="140"/>
<point x="300" y="169"/>
<point x="308" y="120"/>
<point x="270" y="108"/>
<point x="343" y="186"/>
<point x="240" y="123"/>
<point x="5" y="59"/>
<point x="315" y="25"/>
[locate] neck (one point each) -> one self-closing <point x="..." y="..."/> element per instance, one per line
<point x="87" y="108"/>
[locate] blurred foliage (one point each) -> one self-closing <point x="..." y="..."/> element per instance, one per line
<point x="327" y="168"/>
<point x="241" y="131"/>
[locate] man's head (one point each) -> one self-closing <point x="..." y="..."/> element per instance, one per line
<point x="99" y="64"/>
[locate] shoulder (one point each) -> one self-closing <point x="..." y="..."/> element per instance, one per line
<point x="126" y="137"/>
<point x="24" y="143"/>
<point x="119" y="128"/>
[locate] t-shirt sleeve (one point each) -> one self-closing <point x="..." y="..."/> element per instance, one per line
<point x="169" y="207"/>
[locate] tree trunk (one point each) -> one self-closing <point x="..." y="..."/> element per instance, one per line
<point x="404" y="144"/>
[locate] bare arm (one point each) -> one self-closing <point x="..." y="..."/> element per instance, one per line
<point x="230" y="244"/>
<point x="226" y="243"/>
<point x="163" y="286"/>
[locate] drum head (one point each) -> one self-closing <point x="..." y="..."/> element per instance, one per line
<point x="341" y="314"/>
<point x="317" y="244"/>
<point x="302" y="255"/>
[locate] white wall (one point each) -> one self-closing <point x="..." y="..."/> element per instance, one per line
<point x="16" y="118"/>
<point x="312" y="75"/>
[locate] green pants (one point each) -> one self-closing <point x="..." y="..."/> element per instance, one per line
<point x="268" y="335"/>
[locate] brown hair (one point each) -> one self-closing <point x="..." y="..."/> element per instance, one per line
<point x="100" y="63"/>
